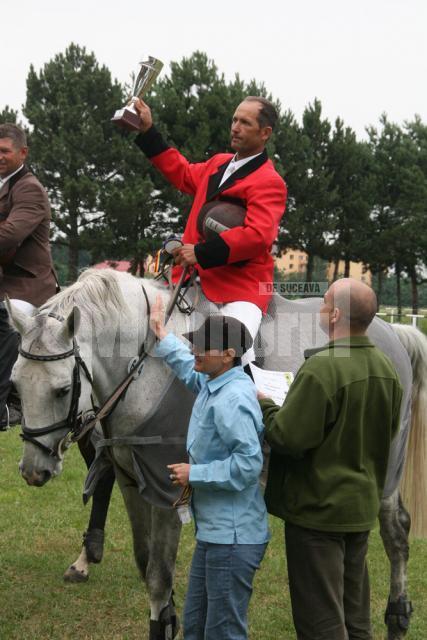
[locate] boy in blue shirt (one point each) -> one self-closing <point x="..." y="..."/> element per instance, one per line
<point x="225" y="462"/>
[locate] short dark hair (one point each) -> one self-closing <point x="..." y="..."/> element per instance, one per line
<point x="15" y="133"/>
<point x="267" y="116"/>
<point x="358" y="303"/>
<point x="362" y="313"/>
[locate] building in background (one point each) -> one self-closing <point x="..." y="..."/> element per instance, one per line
<point x="295" y="261"/>
<point x="292" y="261"/>
<point x="125" y="265"/>
<point x="358" y="271"/>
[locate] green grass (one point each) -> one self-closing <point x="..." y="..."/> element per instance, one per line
<point x="40" y="533"/>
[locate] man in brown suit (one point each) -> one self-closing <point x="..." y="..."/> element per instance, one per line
<point x="26" y="269"/>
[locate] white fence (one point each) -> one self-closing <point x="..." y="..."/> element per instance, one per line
<point x="392" y="314"/>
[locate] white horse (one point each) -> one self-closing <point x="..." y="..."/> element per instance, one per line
<point x="106" y="333"/>
<point x="101" y="322"/>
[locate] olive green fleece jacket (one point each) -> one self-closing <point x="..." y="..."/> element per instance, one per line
<point x="331" y="438"/>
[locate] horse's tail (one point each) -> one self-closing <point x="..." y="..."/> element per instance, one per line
<point x="413" y="486"/>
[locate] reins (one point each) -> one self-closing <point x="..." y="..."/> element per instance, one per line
<point x="79" y="424"/>
<point x="111" y="402"/>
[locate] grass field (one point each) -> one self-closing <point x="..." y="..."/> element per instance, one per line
<point x="40" y="532"/>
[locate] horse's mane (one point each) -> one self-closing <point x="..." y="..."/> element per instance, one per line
<point x="96" y="292"/>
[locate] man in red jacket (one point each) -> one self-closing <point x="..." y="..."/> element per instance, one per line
<point x="235" y="266"/>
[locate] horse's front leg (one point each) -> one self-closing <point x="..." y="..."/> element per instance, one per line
<point x="156" y="534"/>
<point x="93" y="537"/>
<point x="165" y="534"/>
<point x="394" y="527"/>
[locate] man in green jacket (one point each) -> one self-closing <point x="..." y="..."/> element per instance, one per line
<point x="330" y="445"/>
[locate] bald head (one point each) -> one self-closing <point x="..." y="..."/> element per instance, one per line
<point x="356" y="301"/>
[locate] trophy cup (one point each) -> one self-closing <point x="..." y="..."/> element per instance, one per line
<point x="127" y="117"/>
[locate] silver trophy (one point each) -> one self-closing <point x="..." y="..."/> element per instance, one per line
<point x="127" y="117"/>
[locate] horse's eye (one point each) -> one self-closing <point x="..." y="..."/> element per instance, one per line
<point x="60" y="393"/>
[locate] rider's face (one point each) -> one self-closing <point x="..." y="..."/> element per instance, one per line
<point x="247" y="137"/>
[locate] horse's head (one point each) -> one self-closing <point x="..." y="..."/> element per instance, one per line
<point x="48" y="377"/>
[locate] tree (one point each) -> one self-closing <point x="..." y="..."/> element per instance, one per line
<point x="414" y="203"/>
<point x="189" y="107"/>
<point x="350" y="164"/>
<point x="8" y="115"/>
<point x="11" y="116"/>
<point x="383" y="250"/>
<point x="126" y="231"/>
<point x="311" y="197"/>
<point x="193" y="107"/>
<point x="76" y="151"/>
<point x="398" y="223"/>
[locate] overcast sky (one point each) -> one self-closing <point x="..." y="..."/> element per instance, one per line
<point x="359" y="58"/>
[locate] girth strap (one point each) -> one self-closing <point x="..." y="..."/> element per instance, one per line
<point x="126" y="441"/>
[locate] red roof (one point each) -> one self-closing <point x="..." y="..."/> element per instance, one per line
<point x="118" y="265"/>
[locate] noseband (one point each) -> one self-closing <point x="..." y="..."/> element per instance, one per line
<point x="73" y="420"/>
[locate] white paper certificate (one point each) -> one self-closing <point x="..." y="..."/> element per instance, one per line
<point x="274" y="384"/>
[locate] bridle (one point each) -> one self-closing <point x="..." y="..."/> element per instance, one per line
<point x="77" y="424"/>
<point x="72" y="423"/>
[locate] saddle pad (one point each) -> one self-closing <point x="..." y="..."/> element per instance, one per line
<point x="160" y="440"/>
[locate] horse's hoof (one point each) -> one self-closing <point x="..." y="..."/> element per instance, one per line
<point x="93" y="541"/>
<point x="167" y="626"/>
<point x="175" y="626"/>
<point x="397" y="617"/>
<point x="163" y="630"/>
<point x="74" y="575"/>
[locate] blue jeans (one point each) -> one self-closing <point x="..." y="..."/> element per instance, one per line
<point x="219" y="590"/>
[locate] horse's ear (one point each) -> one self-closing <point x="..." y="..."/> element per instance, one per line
<point x="73" y="322"/>
<point x="19" y="320"/>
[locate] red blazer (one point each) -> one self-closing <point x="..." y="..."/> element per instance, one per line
<point x="234" y="265"/>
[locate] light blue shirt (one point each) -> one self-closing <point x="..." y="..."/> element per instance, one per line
<point x="224" y="448"/>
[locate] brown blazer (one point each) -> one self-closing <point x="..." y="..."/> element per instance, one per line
<point x="24" y="227"/>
